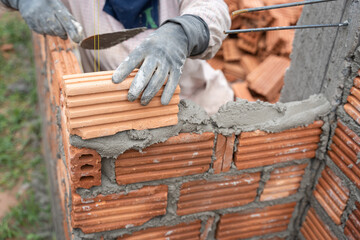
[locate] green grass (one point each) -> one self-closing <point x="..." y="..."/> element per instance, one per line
<point x="19" y="129"/>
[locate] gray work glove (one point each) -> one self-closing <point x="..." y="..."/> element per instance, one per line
<point x="162" y="56"/>
<point x="48" y="17"/>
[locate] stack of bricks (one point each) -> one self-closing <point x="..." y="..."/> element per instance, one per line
<point x="255" y="63"/>
<point x="191" y="185"/>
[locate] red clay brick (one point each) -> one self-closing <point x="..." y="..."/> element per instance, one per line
<point x="314" y="228"/>
<point x="206" y="195"/>
<point x="204" y="235"/>
<point x="249" y="63"/>
<point x="331" y="195"/>
<point x="355" y="138"/>
<point x="234" y="71"/>
<point x="229" y="152"/>
<point x="91" y="119"/>
<point x="84" y="165"/>
<point x="258" y="148"/>
<point x="268" y="78"/>
<point x="231" y="51"/>
<point x="247" y="46"/>
<point x="355" y="92"/>
<point x="224" y="153"/>
<point x="352" y="225"/>
<point x="354" y="102"/>
<point x="255" y="222"/>
<point x="351" y="110"/>
<point x="182" y="155"/>
<point x="283" y="182"/>
<point x="116" y="211"/>
<point x="241" y="90"/>
<point x="178" y="232"/>
<point x="219" y="153"/>
<point x="216" y="63"/>
<point x="357" y="82"/>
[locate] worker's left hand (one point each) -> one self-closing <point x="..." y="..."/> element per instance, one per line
<point x="162" y="56"/>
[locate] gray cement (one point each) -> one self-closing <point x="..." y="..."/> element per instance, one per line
<point x="233" y="117"/>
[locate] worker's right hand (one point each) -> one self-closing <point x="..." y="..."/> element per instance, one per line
<point x="48" y="17"/>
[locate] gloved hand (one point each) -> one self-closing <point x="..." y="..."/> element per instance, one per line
<point x="48" y="17"/>
<point x="162" y="56"/>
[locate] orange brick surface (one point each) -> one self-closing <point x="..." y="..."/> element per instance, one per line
<point x="182" y="155"/>
<point x="231" y="52"/>
<point x="283" y="182"/>
<point x="268" y="78"/>
<point x="224" y="153"/>
<point x="331" y="194"/>
<point x="227" y="192"/>
<point x="256" y="149"/>
<point x="255" y="222"/>
<point x="96" y="107"/>
<point x="241" y="90"/>
<point x="178" y="232"/>
<point x="116" y="211"/>
<point x="352" y="226"/>
<point x="314" y="228"/>
<point x="344" y="151"/>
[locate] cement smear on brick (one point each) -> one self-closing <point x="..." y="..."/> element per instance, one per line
<point x="233" y="117"/>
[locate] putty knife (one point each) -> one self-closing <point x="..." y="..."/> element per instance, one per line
<point x="107" y="40"/>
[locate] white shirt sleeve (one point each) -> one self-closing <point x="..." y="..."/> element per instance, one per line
<point x="216" y="14"/>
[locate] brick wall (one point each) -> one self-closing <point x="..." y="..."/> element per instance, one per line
<point x="203" y="179"/>
<point x="188" y="186"/>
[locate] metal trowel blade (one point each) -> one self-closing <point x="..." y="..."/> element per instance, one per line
<point x="108" y="40"/>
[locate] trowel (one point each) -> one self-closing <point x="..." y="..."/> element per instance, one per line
<point x="107" y="40"/>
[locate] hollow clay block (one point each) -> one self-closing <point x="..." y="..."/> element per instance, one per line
<point x="96" y="107"/>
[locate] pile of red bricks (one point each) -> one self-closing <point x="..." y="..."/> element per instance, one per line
<point x="255" y="63"/>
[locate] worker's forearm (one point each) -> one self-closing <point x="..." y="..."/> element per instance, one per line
<point x="196" y="31"/>
<point x="215" y="13"/>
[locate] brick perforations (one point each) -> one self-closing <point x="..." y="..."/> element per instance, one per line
<point x="352" y="107"/>
<point x="344" y="151"/>
<point x="256" y="149"/>
<point x="182" y="155"/>
<point x="226" y="192"/>
<point x="255" y="222"/>
<point x="283" y="182"/>
<point x="115" y="211"/>
<point x="84" y="164"/>
<point x="332" y="195"/>
<point x="96" y="107"/>
<point x="352" y="226"/>
<point x="314" y="228"/>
